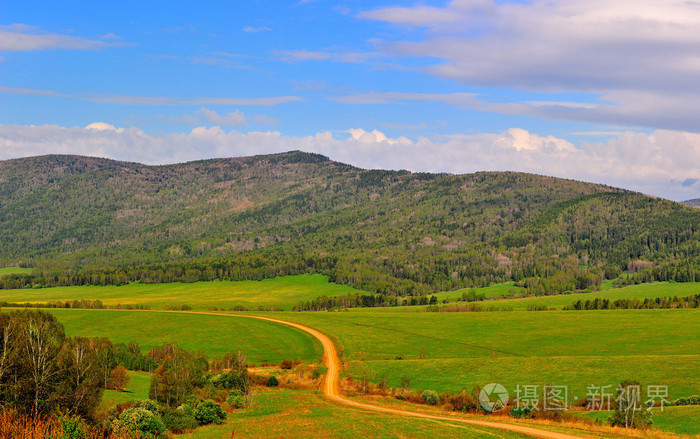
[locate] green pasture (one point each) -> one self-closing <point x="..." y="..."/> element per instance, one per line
<point x="681" y="419"/>
<point x="499" y="290"/>
<point x="214" y="335"/>
<point x="136" y="390"/>
<point x="4" y="271"/>
<point x="459" y="350"/>
<point x="283" y="292"/>
<point x="572" y="348"/>
<point x="640" y="291"/>
<point x="304" y="414"/>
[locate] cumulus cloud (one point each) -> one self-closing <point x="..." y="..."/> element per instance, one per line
<point x="632" y="55"/>
<point x="24" y="38"/>
<point x="664" y="163"/>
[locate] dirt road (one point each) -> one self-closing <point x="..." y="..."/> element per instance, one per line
<point x="331" y="388"/>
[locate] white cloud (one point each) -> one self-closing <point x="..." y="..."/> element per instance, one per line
<point x="251" y="29"/>
<point x="102" y="126"/>
<point x="665" y="163"/>
<point x="627" y="53"/>
<point x="156" y="100"/>
<point x="24" y="38"/>
<point x="236" y="118"/>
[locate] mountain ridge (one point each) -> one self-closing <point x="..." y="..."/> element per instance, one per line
<point x="392" y="232"/>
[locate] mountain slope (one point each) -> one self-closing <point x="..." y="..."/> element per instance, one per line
<point x="384" y="231"/>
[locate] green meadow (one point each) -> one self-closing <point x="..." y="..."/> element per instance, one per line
<point x="136" y="390"/>
<point x="572" y="348"/>
<point x="304" y="414"/>
<point x="4" y="271"/>
<point x="682" y="419"/>
<point x="503" y="291"/>
<point x="214" y="335"/>
<point x="281" y="293"/>
<point x="499" y="290"/>
<point x="640" y="291"/>
<point x="440" y="351"/>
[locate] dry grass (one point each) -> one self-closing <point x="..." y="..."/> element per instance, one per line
<point x="14" y="425"/>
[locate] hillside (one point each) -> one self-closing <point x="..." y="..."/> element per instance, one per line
<point x="85" y="220"/>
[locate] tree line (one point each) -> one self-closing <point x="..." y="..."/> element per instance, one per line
<point x="647" y="303"/>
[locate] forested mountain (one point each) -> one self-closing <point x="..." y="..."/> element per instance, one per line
<point x="695" y="202"/>
<point x="85" y="220"/>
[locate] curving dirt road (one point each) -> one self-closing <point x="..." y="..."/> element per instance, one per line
<point x="332" y="389"/>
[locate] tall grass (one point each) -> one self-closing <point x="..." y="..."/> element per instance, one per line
<point x="15" y="425"/>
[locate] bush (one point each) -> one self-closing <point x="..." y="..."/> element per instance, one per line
<point x="318" y="372"/>
<point x="430" y="397"/>
<point x="237" y="402"/>
<point x="235" y="399"/>
<point x="238" y="379"/>
<point x="630" y="411"/>
<point x="73" y="427"/>
<point x="186" y="409"/>
<point x="286" y="364"/>
<point x="148" y="404"/>
<point x="521" y="412"/>
<point x="209" y="412"/>
<point x="272" y="382"/>
<point x="139" y="420"/>
<point x="179" y="421"/>
<point x="688" y="400"/>
<point x="219" y="380"/>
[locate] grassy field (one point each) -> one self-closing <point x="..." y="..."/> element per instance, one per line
<point x="574" y="348"/>
<point x="499" y="290"/>
<point x="683" y="419"/>
<point x="303" y="414"/>
<point x="215" y="335"/>
<point x="137" y="390"/>
<point x="283" y="292"/>
<point x="4" y="271"/>
<point x="641" y="291"/>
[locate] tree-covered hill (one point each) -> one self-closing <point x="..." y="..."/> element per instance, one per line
<point x="87" y="220"/>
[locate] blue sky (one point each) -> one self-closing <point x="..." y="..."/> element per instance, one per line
<point x="598" y="90"/>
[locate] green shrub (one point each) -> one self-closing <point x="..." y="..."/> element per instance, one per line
<point x="688" y="400"/>
<point x="237" y="402"/>
<point x="186" y="409"/>
<point x="272" y="382"/>
<point x="238" y="379"/>
<point x="209" y="412"/>
<point x="235" y="399"/>
<point x="139" y="420"/>
<point x="73" y="427"/>
<point x="521" y="412"/>
<point x="318" y="372"/>
<point x="219" y="380"/>
<point x="148" y="404"/>
<point x="430" y="397"/>
<point x="178" y="421"/>
<point x="630" y="411"/>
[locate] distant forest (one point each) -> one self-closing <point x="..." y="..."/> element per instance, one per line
<point x="81" y="221"/>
